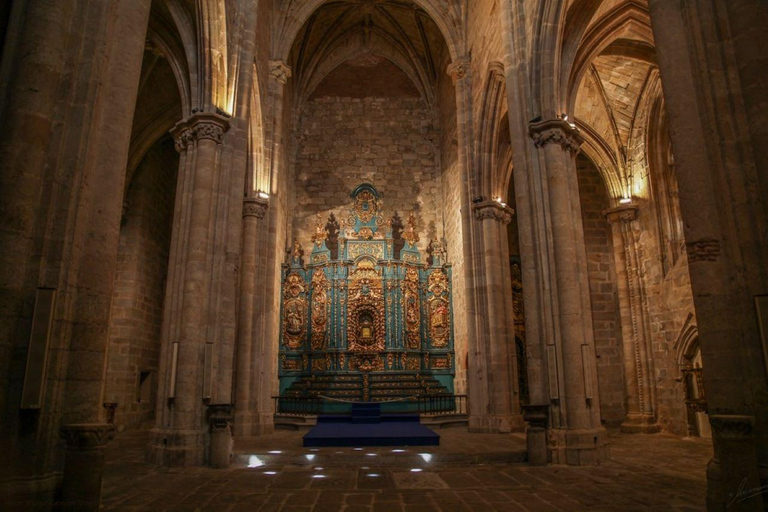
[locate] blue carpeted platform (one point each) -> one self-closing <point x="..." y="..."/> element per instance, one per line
<point x="367" y="427"/>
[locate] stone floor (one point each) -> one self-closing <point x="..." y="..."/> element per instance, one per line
<point x="467" y="472"/>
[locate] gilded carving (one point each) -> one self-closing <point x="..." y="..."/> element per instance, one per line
<point x="365" y="317"/>
<point x="410" y="234"/>
<point x="366" y="206"/>
<point x="438" y="283"/>
<point x="411" y="258"/>
<point x="292" y="365"/>
<point x="442" y="363"/>
<point x="294" y="311"/>
<point x="413" y="363"/>
<point x="439" y="310"/>
<point x="320" y="234"/>
<point x="320" y="308"/>
<point x="412" y="308"/>
<point x="375" y="250"/>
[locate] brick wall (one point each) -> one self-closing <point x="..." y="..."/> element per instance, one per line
<point x="137" y="303"/>
<point x="603" y="292"/>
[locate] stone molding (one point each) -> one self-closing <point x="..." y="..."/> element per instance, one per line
<point x="255" y="207"/>
<point x="279" y="71"/>
<point x="556" y="131"/>
<point x="493" y="210"/>
<point x="199" y="126"/>
<point x="459" y="69"/>
<point x="87" y="436"/>
<point x="623" y="213"/>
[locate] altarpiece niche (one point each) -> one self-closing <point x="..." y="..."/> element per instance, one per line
<point x="370" y="320"/>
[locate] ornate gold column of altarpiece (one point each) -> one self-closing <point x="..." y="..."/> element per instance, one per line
<point x="370" y="321"/>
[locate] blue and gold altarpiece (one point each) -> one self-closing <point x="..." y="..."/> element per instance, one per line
<point x="371" y="319"/>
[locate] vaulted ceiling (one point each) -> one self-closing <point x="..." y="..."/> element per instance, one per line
<point x="351" y="30"/>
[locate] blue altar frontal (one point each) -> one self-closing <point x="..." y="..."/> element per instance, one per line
<point x="366" y="317"/>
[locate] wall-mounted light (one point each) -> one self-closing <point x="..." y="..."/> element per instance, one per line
<point x="625" y="200"/>
<point x="262" y="195"/>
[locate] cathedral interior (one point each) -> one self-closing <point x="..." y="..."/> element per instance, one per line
<point x="540" y="225"/>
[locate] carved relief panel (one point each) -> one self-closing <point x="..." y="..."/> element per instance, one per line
<point x="320" y="307"/>
<point x="412" y="308"/>
<point x="294" y="311"/>
<point x="439" y="309"/>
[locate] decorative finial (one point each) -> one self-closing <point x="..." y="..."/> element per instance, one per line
<point x="410" y="234"/>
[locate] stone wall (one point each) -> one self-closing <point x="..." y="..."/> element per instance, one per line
<point x="137" y="303"/>
<point x="388" y="142"/>
<point x="669" y="302"/>
<point x="603" y="292"/>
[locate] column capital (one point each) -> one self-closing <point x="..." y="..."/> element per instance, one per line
<point x="493" y="210"/>
<point x="255" y="207"/>
<point x="279" y="71"/>
<point x="556" y="131"/>
<point x="198" y="126"/>
<point x="459" y="69"/>
<point x="86" y="436"/>
<point x="623" y="213"/>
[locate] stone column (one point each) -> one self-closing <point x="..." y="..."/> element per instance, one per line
<point x="638" y="371"/>
<point x="254" y="210"/>
<point x="83" y="466"/>
<point x="459" y="73"/>
<point x="576" y="436"/>
<point x="496" y="390"/>
<point x="266" y="331"/>
<point x="712" y="61"/>
<point x="179" y="438"/>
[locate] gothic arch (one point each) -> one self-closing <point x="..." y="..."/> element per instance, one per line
<point x="686" y="341"/>
<point x="444" y="14"/>
<point x="491" y="180"/>
<point x="625" y="30"/>
<point x="257" y="178"/>
<point x="604" y="158"/>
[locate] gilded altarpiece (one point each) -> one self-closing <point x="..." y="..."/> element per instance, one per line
<point x="375" y="320"/>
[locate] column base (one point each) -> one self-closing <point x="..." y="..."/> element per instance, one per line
<point x="176" y="448"/>
<point x="33" y="493"/>
<point x="578" y="447"/>
<point x="640" y="424"/>
<point x="496" y="424"/>
<point x="83" y="466"/>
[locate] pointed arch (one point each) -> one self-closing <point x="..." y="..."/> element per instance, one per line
<point x="443" y="13"/>
<point x="490" y="180"/>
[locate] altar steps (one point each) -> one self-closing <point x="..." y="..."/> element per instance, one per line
<point x="380" y="387"/>
<point x="288" y="421"/>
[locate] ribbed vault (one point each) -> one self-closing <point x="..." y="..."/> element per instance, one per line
<point x="346" y="30"/>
